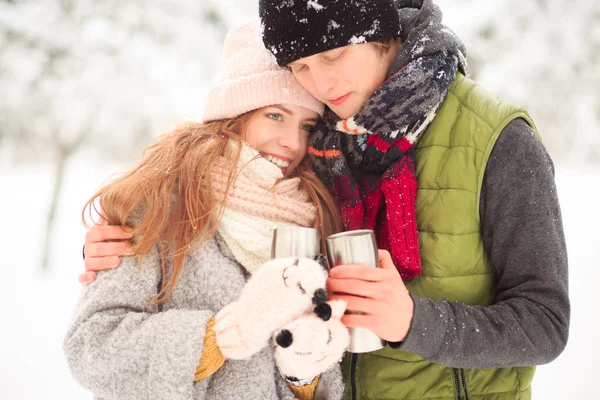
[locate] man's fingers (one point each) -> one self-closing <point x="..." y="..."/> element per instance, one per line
<point x="356" y="320"/>
<point x="87" y="277"/>
<point x="104" y="249"/>
<point x="354" y="271"/>
<point x="385" y="259"/>
<point x="101" y="263"/>
<point x="356" y="304"/>
<point x="102" y="233"/>
<point x="128" y="251"/>
<point x="355" y="287"/>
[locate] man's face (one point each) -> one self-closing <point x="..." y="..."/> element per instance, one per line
<point x="343" y="78"/>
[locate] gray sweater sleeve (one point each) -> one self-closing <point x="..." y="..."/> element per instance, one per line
<point x="120" y="346"/>
<point x="523" y="236"/>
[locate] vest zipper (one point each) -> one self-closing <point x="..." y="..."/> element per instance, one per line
<point x="456" y="384"/>
<point x="353" y="375"/>
<point x="463" y="377"/>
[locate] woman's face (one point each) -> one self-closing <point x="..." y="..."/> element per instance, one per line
<point x="280" y="133"/>
<point x="344" y="78"/>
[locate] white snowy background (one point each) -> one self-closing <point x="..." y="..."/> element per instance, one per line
<point x="85" y="84"/>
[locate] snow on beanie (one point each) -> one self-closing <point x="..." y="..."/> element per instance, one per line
<point x="293" y="29"/>
<point x="249" y="78"/>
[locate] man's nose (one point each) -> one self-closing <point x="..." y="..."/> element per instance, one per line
<point x="323" y="80"/>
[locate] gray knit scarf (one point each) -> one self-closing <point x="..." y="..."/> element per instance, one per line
<point x="377" y="141"/>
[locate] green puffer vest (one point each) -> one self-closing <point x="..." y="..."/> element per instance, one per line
<point x="450" y="162"/>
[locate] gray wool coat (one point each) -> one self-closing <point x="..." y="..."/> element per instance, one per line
<point x="121" y="347"/>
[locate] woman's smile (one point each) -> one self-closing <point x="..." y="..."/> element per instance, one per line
<point x="281" y="162"/>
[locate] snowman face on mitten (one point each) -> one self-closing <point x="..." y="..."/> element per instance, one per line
<point x="313" y="342"/>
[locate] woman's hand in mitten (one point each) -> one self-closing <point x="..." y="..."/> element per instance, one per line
<point x="313" y="342"/>
<point x="279" y="292"/>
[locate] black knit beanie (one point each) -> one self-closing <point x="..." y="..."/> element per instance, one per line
<point x="293" y="29"/>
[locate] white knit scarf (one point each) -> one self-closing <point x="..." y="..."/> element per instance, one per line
<point x="255" y="207"/>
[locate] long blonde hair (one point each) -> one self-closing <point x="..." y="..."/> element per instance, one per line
<point x="166" y="200"/>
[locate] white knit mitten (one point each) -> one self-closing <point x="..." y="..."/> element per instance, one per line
<point x="312" y="343"/>
<point x="279" y="292"/>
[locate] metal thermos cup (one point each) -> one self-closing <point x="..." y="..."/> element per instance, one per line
<point x="356" y="247"/>
<point x="295" y="241"/>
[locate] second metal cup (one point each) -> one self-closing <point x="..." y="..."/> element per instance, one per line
<point x="356" y="247"/>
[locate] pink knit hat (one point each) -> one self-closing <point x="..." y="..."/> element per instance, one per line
<point x="249" y="78"/>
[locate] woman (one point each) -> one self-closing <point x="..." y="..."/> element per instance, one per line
<point x="193" y="316"/>
<point x="411" y="147"/>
